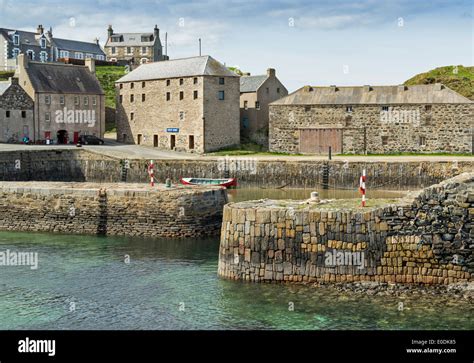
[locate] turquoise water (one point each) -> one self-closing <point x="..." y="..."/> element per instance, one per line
<point x="83" y="282"/>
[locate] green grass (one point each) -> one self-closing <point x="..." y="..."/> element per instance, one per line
<point x="458" y="78"/>
<point x="5" y="75"/>
<point x="107" y="75"/>
<point x="247" y="149"/>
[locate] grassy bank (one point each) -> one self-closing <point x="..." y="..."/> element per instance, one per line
<point x="107" y="75"/>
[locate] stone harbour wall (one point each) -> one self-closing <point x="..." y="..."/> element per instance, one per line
<point x="111" y="209"/>
<point x="426" y="238"/>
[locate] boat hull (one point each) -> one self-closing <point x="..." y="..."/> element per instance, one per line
<point x="229" y="182"/>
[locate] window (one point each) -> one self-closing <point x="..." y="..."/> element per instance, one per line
<point x="129" y="50"/>
<point x="86" y="101"/>
<point x="131" y="116"/>
<point x="16" y="39"/>
<point x="120" y="98"/>
<point x="43" y="56"/>
<point x="16" y="52"/>
<point x="47" y="99"/>
<point x="428" y="108"/>
<point x="143" y="84"/>
<point x="422" y="140"/>
<point x="221" y="95"/>
<point x="168" y="96"/>
<point x="132" y="85"/>
<point x="384" y="108"/>
<point x="121" y="85"/>
<point x="245" y="122"/>
<point x="191" y="142"/>
<point x="257" y="105"/>
<point x="268" y="90"/>
<point x="62" y="101"/>
<point x="47" y="117"/>
<point x="278" y="90"/>
<point x="132" y="98"/>
<point x="181" y="81"/>
<point x="307" y="108"/>
<point x="79" y="55"/>
<point x="23" y="114"/>
<point x="7" y="114"/>
<point x="181" y="116"/>
<point x="168" y="82"/>
<point x="30" y="54"/>
<point x="63" y="54"/>
<point x="246" y="105"/>
<point x="195" y="80"/>
<point x="144" y="61"/>
<point x="113" y="50"/>
<point x="349" y="109"/>
<point x="43" y="43"/>
<point x="181" y="95"/>
<point x="144" y="50"/>
<point x="94" y="100"/>
<point x="195" y="95"/>
<point x="143" y="97"/>
<point x="221" y="80"/>
<point x="76" y="100"/>
<point x="384" y="140"/>
<point x="348" y="120"/>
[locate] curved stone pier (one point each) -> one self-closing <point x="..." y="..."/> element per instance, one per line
<point x="425" y="238"/>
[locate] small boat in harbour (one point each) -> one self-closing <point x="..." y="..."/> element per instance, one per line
<point x="229" y="182"/>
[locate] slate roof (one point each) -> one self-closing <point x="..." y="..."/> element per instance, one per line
<point x="131" y="39"/>
<point x="75" y="45"/>
<point x="251" y="83"/>
<point x="4" y="86"/>
<point x="62" y="78"/>
<point x="184" y="67"/>
<point x="380" y="95"/>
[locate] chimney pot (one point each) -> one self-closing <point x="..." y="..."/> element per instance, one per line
<point x="271" y="72"/>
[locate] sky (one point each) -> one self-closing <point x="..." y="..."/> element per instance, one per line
<point x="308" y="42"/>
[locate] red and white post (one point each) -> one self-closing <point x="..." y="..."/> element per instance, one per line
<point x="151" y="172"/>
<point x="362" y="186"/>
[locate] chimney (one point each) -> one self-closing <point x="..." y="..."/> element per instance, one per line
<point x="271" y="72"/>
<point x="308" y="89"/>
<point x="402" y="87"/>
<point x="438" y="87"/>
<point x="156" y="32"/>
<point x="40" y="29"/>
<point x="90" y="63"/>
<point x="333" y="88"/>
<point x="367" y="88"/>
<point x="96" y="40"/>
<point x="110" y="31"/>
<point x="49" y="34"/>
<point x="22" y="61"/>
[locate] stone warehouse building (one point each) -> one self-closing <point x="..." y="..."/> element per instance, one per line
<point x="16" y="112"/>
<point x="256" y="93"/>
<point x="43" y="47"/>
<point x="68" y="100"/>
<point x="188" y="104"/>
<point x="134" y="48"/>
<point x="366" y="119"/>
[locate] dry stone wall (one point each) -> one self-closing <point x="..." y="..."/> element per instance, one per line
<point x="427" y="238"/>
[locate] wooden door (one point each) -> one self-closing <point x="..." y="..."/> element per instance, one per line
<point x="317" y="141"/>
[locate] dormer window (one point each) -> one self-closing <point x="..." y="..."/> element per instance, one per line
<point x="43" y="43"/>
<point x="16" y="39"/>
<point x="16" y="52"/>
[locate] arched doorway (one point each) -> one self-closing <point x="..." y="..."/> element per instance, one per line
<point x="62" y="137"/>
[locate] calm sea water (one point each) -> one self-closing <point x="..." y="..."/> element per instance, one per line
<point x="85" y="282"/>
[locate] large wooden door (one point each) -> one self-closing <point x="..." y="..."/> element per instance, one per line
<point x="317" y="141"/>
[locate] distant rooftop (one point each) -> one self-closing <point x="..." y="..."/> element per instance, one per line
<point x="4" y="86"/>
<point x="380" y="95"/>
<point x="183" y="67"/>
<point x="251" y="83"/>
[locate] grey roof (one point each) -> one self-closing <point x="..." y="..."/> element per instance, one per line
<point x="30" y="40"/>
<point x="184" y="67"/>
<point x="131" y="39"/>
<point x="381" y="95"/>
<point x="4" y="86"/>
<point x="75" y="45"/>
<point x="251" y="83"/>
<point x="62" y="78"/>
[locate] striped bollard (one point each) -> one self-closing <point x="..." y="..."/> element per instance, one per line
<point x="362" y="187"/>
<point x="152" y="173"/>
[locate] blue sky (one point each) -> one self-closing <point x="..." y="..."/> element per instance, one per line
<point x="317" y="42"/>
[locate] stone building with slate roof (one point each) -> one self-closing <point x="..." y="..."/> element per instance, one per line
<point x="16" y="112"/>
<point x="256" y="93"/>
<point x="134" y="48"/>
<point x="68" y="100"/>
<point x="372" y="119"/>
<point x="188" y="104"/>
<point x="41" y="46"/>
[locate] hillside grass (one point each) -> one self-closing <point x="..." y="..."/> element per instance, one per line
<point x="5" y="75"/>
<point x="458" y="78"/>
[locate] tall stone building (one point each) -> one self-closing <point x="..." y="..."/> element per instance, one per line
<point x="188" y="104"/>
<point x="68" y="100"/>
<point x="43" y="47"/>
<point x="16" y="112"/>
<point x="256" y="93"/>
<point x="366" y="119"/>
<point x="134" y="48"/>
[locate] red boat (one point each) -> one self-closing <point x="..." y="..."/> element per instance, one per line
<point x="229" y="182"/>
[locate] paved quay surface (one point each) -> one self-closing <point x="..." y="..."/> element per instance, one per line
<point x="123" y="151"/>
